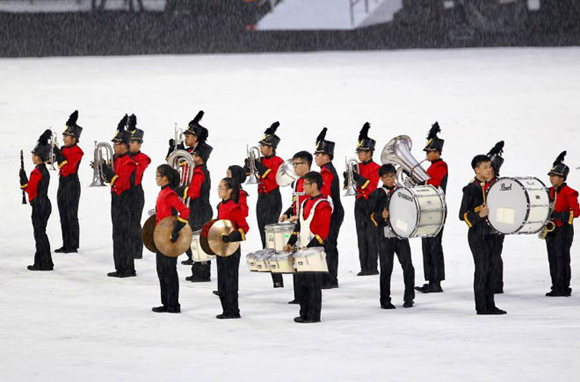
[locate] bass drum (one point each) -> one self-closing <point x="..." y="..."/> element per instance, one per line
<point x="417" y="212"/>
<point x="518" y="205"/>
<point x="197" y="253"/>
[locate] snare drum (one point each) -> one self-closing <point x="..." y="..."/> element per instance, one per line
<point x="197" y="253"/>
<point x="262" y="258"/>
<point x="277" y="235"/>
<point x="310" y="260"/>
<point x="417" y="212"/>
<point x="282" y="263"/>
<point x="518" y="205"/>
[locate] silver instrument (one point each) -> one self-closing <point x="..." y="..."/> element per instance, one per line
<point x="409" y="171"/>
<point x="253" y="155"/>
<point x="178" y="137"/>
<point x="103" y="156"/>
<point x="285" y="174"/>
<point x="351" y="167"/>
<point x="52" y="157"/>
<point x="182" y="161"/>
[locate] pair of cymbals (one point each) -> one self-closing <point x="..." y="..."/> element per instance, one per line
<point x="157" y="238"/>
<point x="211" y="238"/>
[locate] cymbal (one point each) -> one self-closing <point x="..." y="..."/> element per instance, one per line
<point x="162" y="237"/>
<point x="215" y="241"/>
<point x="203" y="237"/>
<point x="147" y="234"/>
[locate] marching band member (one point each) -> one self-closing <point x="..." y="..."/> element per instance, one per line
<point x="301" y="161"/>
<point x="433" y="261"/>
<point x="474" y="212"/>
<point x="389" y="244"/>
<point x="367" y="180"/>
<point x="121" y="177"/>
<point x="559" y="241"/>
<point x="269" y="203"/>
<point x="323" y="156"/>
<point x="37" y="190"/>
<point x="69" y="188"/>
<point x="143" y="162"/>
<point x="311" y="231"/>
<point x="168" y="203"/>
<point x="228" y="267"/>
<point x="200" y="209"/>
<point x="238" y="174"/>
<point x="497" y="238"/>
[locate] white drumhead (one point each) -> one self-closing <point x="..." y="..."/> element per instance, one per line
<point x="403" y="212"/>
<point x="508" y="205"/>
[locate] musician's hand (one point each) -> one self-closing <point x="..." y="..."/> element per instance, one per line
<point x="345" y="181"/>
<point x="483" y="212"/>
<point x="562" y="216"/>
<point x="293" y="219"/>
<point x="283" y="218"/>
<point x="92" y="164"/>
<point x="226" y="238"/>
<point x="287" y="248"/>
<point x="58" y="154"/>
<point x="385" y="214"/>
<point x="174" y="236"/>
<point x="23" y="177"/>
<point x="261" y="168"/>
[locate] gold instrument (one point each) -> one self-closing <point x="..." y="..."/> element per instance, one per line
<point x="351" y="167"/>
<point x="254" y="154"/>
<point x="162" y="237"/>
<point x="147" y="233"/>
<point x="183" y="162"/>
<point x="409" y="171"/>
<point x="102" y="156"/>
<point x="285" y="174"/>
<point x="211" y="238"/>
<point x="550" y="225"/>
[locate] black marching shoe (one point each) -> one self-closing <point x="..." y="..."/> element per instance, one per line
<point x="431" y="287"/>
<point x="224" y="316"/>
<point x="559" y="293"/>
<point x="35" y="268"/>
<point x="122" y="274"/>
<point x="388" y="305"/>
<point x="159" y="309"/>
<point x="65" y="250"/>
<point x="187" y="262"/>
<point x="368" y="272"/>
<point x="302" y="320"/>
<point x="496" y="310"/>
<point x="293" y="302"/>
<point x="217" y="293"/>
<point x="330" y="286"/>
<point x="408" y="304"/>
<point x="196" y="279"/>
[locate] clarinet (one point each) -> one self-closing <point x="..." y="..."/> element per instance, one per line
<point x="22" y="168"/>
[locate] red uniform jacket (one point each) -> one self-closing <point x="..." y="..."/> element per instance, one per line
<point x="438" y="173"/>
<point x="369" y="171"/>
<point x="72" y="156"/>
<point x="230" y="210"/>
<point x="566" y="201"/>
<point x="327" y="178"/>
<point x="243" y="203"/>
<point x="125" y="168"/>
<point x="168" y="204"/>
<point x="267" y="182"/>
<point x="31" y="187"/>
<point x="197" y="180"/>
<point x="143" y="162"/>
<point x="320" y="225"/>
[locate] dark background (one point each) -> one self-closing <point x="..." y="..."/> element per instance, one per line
<point x="226" y="26"/>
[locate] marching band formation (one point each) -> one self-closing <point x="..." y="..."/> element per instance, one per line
<point x="302" y="240"/>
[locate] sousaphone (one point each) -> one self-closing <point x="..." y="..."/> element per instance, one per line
<point x="162" y="237"/>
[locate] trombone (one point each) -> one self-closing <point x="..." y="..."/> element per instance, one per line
<point x="253" y="155"/>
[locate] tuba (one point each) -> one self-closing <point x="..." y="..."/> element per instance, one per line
<point x="182" y="161"/>
<point x="398" y="151"/>
<point x="285" y="174"/>
<point x="103" y="155"/>
<point x="253" y="155"/>
<point x="351" y="167"/>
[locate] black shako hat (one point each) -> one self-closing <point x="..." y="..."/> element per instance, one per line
<point x="270" y="138"/>
<point x="72" y="128"/>
<point x="434" y="143"/>
<point x="364" y="142"/>
<point x="43" y="148"/>
<point x="495" y="157"/>
<point x="323" y="146"/>
<point x="559" y="168"/>
<point x="136" y="134"/>
<point x="122" y="135"/>
<point x="194" y="127"/>
<point x="202" y="150"/>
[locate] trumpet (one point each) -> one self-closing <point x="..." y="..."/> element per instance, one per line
<point x="102" y="156"/>
<point x="182" y="161"/>
<point x="52" y="157"/>
<point x="178" y="137"/>
<point x="253" y="155"/>
<point x="351" y="167"/>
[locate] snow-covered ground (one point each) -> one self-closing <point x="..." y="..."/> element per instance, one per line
<point x="77" y="324"/>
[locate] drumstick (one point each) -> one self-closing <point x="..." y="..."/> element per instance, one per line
<point x="482" y="184"/>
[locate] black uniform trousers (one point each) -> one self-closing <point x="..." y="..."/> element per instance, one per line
<point x="366" y="234"/>
<point x="67" y="198"/>
<point x="268" y="211"/>
<point x="309" y="292"/>
<point x="481" y="245"/>
<point x="136" y="214"/>
<point x="168" y="281"/>
<point x="198" y="216"/>
<point x="122" y="237"/>
<point x="331" y="248"/>
<point x="558" y="243"/>
<point x="497" y="248"/>
<point x="228" y="274"/>
<point x="41" y="211"/>
<point x="387" y="249"/>
<point x="433" y="262"/>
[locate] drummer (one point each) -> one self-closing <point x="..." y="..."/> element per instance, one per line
<point x="311" y="231"/>
<point x="228" y="267"/>
<point x="474" y="212"/>
<point x="497" y="238"/>
<point x="167" y="202"/>
<point x="301" y="161"/>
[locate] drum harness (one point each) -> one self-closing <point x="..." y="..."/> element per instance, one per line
<point x="305" y="234"/>
<point x="388" y="231"/>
